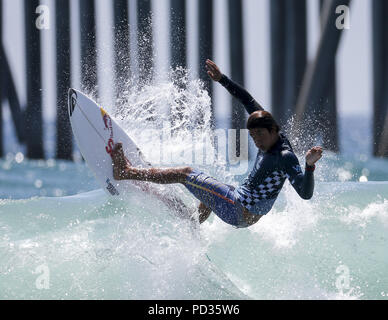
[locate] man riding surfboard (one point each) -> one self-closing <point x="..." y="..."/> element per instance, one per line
<point x="246" y="204"/>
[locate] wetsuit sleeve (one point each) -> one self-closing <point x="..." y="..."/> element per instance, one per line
<point x="302" y="183"/>
<point x="250" y="104"/>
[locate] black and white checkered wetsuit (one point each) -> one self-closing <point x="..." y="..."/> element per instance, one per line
<point x="262" y="186"/>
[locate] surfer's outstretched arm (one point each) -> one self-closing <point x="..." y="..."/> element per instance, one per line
<point x="302" y="183"/>
<point x="250" y="104"/>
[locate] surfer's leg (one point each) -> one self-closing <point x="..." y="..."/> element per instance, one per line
<point x="218" y="197"/>
<point x="122" y="170"/>
<point x="119" y="162"/>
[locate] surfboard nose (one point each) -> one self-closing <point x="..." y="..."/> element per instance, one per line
<point x="72" y="100"/>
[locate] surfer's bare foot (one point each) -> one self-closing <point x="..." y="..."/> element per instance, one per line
<point x="120" y="163"/>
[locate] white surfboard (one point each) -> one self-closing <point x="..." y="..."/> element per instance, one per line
<point x="96" y="133"/>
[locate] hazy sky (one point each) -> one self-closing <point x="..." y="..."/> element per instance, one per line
<point x="354" y="65"/>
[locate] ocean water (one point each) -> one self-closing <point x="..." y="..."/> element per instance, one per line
<point x="62" y="237"/>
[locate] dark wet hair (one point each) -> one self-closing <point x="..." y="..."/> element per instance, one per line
<point x="262" y="119"/>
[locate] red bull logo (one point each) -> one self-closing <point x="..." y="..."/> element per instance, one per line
<point x="108" y="126"/>
<point x="107" y="122"/>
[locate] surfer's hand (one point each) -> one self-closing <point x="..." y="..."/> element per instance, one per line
<point x="313" y="155"/>
<point x="213" y="71"/>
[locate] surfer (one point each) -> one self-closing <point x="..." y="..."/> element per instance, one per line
<point x="246" y="204"/>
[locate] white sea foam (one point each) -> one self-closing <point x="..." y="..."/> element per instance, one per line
<point x="136" y="248"/>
